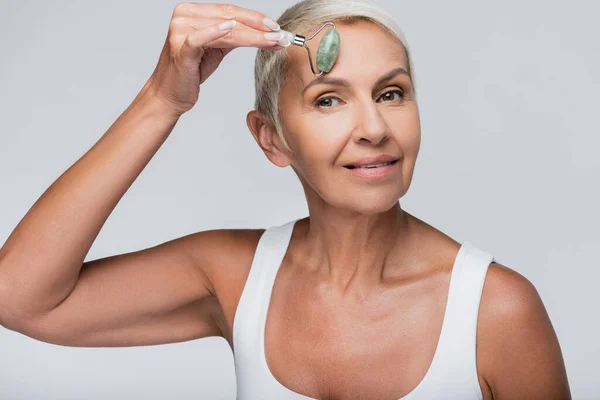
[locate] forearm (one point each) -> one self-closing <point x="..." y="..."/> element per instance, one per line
<point x="42" y="258"/>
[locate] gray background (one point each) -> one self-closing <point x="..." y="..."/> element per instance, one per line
<point x="508" y="94"/>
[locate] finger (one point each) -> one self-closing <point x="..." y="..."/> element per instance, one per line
<point x="276" y="46"/>
<point x="250" y="18"/>
<point x="195" y="41"/>
<point x="243" y="36"/>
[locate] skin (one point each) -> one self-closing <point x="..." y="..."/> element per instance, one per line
<point x="360" y="268"/>
<point x="357" y="229"/>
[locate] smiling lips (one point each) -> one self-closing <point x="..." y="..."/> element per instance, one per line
<point x="374" y="173"/>
<point x="373" y="162"/>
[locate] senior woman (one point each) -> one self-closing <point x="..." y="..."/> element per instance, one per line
<point x="359" y="300"/>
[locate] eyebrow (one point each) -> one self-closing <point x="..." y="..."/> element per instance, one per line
<point x="326" y="80"/>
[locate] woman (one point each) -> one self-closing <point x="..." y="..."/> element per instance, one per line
<point x="363" y="299"/>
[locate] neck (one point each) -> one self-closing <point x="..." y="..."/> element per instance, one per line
<point x="354" y="250"/>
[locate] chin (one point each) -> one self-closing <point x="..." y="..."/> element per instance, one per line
<point x="372" y="206"/>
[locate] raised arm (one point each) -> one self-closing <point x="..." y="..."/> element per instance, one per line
<point x="41" y="261"/>
<point x="157" y="295"/>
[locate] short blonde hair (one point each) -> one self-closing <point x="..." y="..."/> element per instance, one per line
<point x="304" y="18"/>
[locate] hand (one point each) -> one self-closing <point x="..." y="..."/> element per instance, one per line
<point x="199" y="37"/>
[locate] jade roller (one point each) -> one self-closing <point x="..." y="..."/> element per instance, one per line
<point x="328" y="49"/>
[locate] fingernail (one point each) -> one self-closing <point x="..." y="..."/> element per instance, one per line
<point x="227" y="24"/>
<point x="273" y="35"/>
<point x="269" y="23"/>
<point x="284" y="42"/>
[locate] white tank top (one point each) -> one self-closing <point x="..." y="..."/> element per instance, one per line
<point x="452" y="373"/>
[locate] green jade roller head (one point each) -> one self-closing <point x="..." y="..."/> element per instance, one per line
<point x="328" y="49"/>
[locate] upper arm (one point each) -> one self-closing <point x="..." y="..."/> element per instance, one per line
<point x="521" y="355"/>
<point x="161" y="294"/>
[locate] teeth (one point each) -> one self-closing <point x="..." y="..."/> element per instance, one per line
<point x="374" y="165"/>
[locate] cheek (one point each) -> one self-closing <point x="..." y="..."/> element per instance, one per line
<point x="335" y="122"/>
<point x="322" y="137"/>
<point x="414" y="137"/>
<point x="406" y="129"/>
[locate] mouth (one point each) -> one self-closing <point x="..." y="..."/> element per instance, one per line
<point x="371" y="166"/>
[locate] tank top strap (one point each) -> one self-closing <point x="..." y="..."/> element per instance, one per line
<point x="255" y="295"/>
<point x="249" y="318"/>
<point x="455" y="360"/>
<point x="466" y="293"/>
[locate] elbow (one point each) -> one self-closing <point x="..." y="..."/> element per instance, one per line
<point x="4" y="314"/>
<point x="8" y="318"/>
<point x="11" y="317"/>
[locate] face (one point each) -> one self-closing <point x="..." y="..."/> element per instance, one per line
<point x="350" y="115"/>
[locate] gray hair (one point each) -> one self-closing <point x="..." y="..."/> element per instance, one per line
<point x="304" y="18"/>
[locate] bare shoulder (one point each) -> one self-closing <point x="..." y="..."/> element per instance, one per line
<point x="231" y="252"/>
<point x="507" y="292"/>
<point x="518" y="352"/>
<point x="222" y="252"/>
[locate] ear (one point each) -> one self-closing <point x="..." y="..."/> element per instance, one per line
<point x="266" y="137"/>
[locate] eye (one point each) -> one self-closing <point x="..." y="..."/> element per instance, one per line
<point x="325" y="102"/>
<point x="386" y="96"/>
<point x="328" y="101"/>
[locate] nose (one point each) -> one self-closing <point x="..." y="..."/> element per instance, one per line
<point x="371" y="124"/>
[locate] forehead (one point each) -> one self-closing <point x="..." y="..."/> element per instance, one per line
<point x="366" y="52"/>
